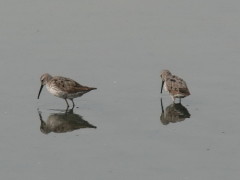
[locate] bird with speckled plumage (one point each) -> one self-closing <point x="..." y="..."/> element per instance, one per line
<point x="63" y="87"/>
<point x="175" y="85"/>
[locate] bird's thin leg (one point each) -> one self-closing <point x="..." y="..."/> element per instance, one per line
<point x="66" y="111"/>
<point x="66" y="102"/>
<point x="180" y="100"/>
<point x="73" y="103"/>
<point x="173" y="99"/>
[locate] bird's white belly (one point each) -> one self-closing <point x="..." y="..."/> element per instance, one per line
<point x="165" y="87"/>
<point x="179" y="95"/>
<point x="56" y="92"/>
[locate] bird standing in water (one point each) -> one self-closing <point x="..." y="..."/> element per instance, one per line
<point x="63" y="87"/>
<point x="175" y="85"/>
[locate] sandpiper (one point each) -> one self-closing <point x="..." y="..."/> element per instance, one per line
<point x="175" y="85"/>
<point x="63" y="87"/>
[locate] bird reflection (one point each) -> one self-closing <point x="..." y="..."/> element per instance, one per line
<point x="174" y="113"/>
<point x="63" y="122"/>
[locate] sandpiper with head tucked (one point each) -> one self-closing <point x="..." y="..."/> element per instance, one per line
<point x="175" y="85"/>
<point x="62" y="87"/>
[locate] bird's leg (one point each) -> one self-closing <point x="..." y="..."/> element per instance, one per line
<point x="173" y="99"/>
<point x="66" y="111"/>
<point x="180" y="100"/>
<point x="66" y="102"/>
<point x="73" y="103"/>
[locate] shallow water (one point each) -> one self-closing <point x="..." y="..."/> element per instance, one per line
<point x="120" y="48"/>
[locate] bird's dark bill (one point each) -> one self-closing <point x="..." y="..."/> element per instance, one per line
<point x="162" y="86"/>
<point x="40" y="91"/>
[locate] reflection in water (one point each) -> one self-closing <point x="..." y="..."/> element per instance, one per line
<point x="63" y="122"/>
<point x="174" y="113"/>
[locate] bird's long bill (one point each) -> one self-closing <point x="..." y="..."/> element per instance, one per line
<point x="40" y="90"/>
<point x="162" y="86"/>
<point x="162" y="106"/>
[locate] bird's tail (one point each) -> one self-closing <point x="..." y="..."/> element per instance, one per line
<point x="91" y="88"/>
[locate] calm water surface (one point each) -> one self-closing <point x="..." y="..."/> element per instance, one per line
<point x="125" y="129"/>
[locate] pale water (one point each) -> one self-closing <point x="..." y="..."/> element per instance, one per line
<point x="120" y="47"/>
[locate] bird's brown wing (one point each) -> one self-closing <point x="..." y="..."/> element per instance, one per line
<point x="68" y="85"/>
<point x="176" y="85"/>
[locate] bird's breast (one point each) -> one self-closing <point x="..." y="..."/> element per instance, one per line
<point x="56" y="91"/>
